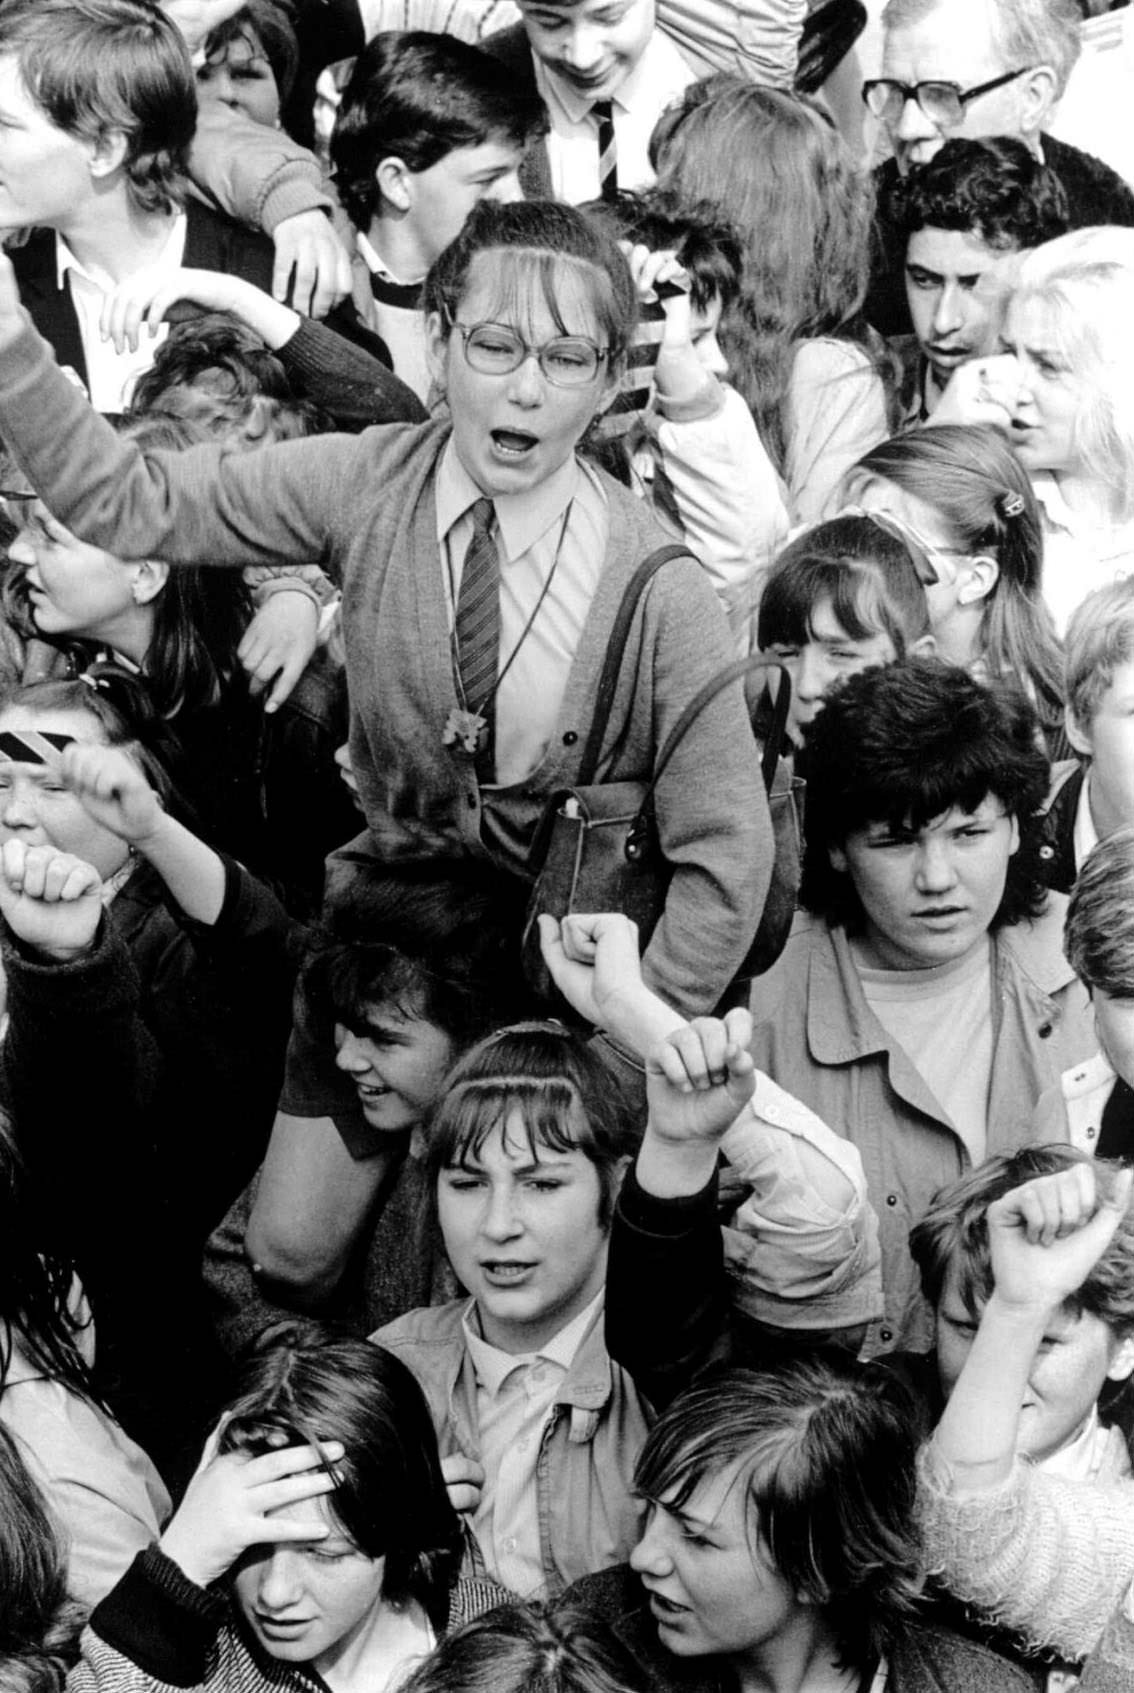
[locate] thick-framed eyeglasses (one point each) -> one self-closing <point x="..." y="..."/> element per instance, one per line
<point x="943" y="103"/>
<point x="495" y="349"/>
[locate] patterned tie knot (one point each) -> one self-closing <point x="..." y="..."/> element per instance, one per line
<point x="483" y="516"/>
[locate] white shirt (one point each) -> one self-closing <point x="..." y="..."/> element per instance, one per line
<point x="111" y="376"/>
<point x="656" y="81"/>
<point x="557" y="530"/>
<point x="1079" y="553"/>
<point x="514" y="1397"/>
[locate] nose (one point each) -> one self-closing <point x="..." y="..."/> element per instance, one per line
<point x="650" y="1556"/>
<point x="352" y="1056"/>
<point x="582" y="49"/>
<point x="948" y="315"/>
<point x="17" y="809"/>
<point x="506" y="188"/>
<point x="813" y="674"/>
<point x="711" y="356"/>
<point x="913" y="125"/>
<point x="500" y="1221"/>
<point x="935" y="872"/>
<point x="21" y="550"/>
<point x="280" y="1582"/>
<point x="526" y="382"/>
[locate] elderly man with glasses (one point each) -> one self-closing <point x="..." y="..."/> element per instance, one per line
<point x="970" y="69"/>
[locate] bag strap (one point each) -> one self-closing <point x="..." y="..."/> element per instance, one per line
<point x="705" y="696"/>
<point x="612" y="663"/>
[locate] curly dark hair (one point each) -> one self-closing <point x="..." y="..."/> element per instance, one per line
<point x="996" y="189"/>
<point x="905" y="743"/>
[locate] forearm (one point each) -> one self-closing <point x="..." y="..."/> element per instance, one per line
<point x="665" y="1299"/>
<point x="256" y="174"/>
<point x="347" y="381"/>
<point x="193" y="873"/>
<point x="976" y="1437"/>
<point x="1038" y="1554"/>
<point x="155" y="1627"/>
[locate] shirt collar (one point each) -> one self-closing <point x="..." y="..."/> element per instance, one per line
<point x="493" y="1367"/>
<point x="522" y="519"/>
<point x="376" y="265"/>
<point x="65" y="260"/>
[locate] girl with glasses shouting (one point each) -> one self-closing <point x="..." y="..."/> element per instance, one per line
<point x="482" y="563"/>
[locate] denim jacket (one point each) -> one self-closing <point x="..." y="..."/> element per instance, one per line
<point x="819" y="1039"/>
<point x="588" y="1517"/>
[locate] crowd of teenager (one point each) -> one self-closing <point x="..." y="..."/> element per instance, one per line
<point x="407" y="1289"/>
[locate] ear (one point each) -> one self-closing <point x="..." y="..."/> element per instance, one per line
<point x="1037" y="98"/>
<point x="395" y="184"/>
<point x="147" y="580"/>
<point x="1076" y="734"/>
<point x="838" y="859"/>
<point x="1014" y="837"/>
<point x="107" y="154"/>
<point x="977" y="580"/>
<point x="924" y="647"/>
<point x="1122" y="1363"/>
<point x="437" y="348"/>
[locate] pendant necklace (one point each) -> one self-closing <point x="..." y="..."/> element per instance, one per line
<point x="466" y="728"/>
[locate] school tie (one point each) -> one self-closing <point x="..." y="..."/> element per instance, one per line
<point x="478" y="629"/>
<point x="603" y="113"/>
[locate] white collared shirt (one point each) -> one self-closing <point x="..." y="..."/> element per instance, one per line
<point x="514" y="1397"/>
<point x="559" y="530"/>
<point x="656" y="81"/>
<point x="111" y="376"/>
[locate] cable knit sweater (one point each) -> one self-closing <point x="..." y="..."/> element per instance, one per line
<point x="365" y="506"/>
<point x="1044" y="1556"/>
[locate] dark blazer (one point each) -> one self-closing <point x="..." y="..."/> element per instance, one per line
<point x="212" y="242"/>
<point x="1056" y="849"/>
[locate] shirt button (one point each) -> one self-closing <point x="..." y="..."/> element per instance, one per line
<point x="1044" y="1030"/>
<point x="472" y="802"/>
<point x="1047" y="852"/>
<point x="891" y="1199"/>
<point x="510" y="1545"/>
<point x="886" y="1334"/>
<point x="570" y="738"/>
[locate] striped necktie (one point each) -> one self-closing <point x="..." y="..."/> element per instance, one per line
<point x="603" y="113"/>
<point x="477" y="628"/>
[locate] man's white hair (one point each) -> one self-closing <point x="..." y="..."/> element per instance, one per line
<point x="1025" y="32"/>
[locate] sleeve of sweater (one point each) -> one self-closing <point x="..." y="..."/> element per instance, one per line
<point x="1044" y="1556"/>
<point x="256" y="174"/>
<point x="712" y="812"/>
<point x="156" y="1628"/>
<point x="284" y="503"/>
<point x="729" y="497"/>
<point x="346" y="380"/>
<point x="836" y="408"/>
<point x="665" y="1288"/>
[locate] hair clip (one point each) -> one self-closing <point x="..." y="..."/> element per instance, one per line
<point x="1011" y="505"/>
<point x="91" y="680"/>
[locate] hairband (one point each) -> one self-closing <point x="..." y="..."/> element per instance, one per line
<point x="91" y="680"/>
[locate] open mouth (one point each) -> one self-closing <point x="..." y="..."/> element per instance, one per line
<point x="662" y="1607"/>
<point x="513" y="443"/>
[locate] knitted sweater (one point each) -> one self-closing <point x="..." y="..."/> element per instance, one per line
<point x="1041" y="1555"/>
<point x="365" y="506"/>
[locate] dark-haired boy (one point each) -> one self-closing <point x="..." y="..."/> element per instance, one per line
<point x="923" y="1002"/>
<point x="428" y="127"/>
<point x="963" y="217"/>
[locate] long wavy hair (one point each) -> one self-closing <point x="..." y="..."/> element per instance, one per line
<point x="775" y="166"/>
